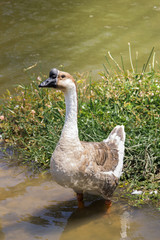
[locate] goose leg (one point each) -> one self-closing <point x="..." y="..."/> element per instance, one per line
<point x="80" y="200"/>
<point x="108" y="204"/>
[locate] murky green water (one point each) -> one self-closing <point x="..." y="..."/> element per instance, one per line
<point x="35" y="207"/>
<point x="76" y="34"/>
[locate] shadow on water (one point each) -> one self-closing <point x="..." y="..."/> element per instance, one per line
<point x="93" y="222"/>
<point x="35" y="207"/>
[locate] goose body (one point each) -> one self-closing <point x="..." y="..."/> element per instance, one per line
<point x="92" y="167"/>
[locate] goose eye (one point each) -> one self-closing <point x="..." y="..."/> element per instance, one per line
<point x="63" y="76"/>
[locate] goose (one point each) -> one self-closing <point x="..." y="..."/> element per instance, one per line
<point x="86" y="167"/>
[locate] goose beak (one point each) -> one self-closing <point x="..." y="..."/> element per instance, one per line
<point x="52" y="80"/>
<point x="49" y="82"/>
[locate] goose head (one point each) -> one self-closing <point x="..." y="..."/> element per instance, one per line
<point x="59" y="80"/>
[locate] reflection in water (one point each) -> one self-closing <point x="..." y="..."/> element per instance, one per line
<point x="125" y="224"/>
<point x="93" y="222"/>
<point x="34" y="207"/>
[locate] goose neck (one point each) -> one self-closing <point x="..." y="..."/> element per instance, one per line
<point x="70" y="129"/>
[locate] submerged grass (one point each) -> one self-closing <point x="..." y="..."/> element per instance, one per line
<point x="32" y="118"/>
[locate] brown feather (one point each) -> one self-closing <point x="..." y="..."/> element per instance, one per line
<point x="105" y="154"/>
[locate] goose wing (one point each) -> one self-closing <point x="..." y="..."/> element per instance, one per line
<point x="108" y="155"/>
<point x="104" y="156"/>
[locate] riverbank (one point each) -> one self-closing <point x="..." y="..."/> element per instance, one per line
<point x="31" y="120"/>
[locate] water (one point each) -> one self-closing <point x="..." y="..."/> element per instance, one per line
<point x="76" y="34"/>
<point x="32" y="206"/>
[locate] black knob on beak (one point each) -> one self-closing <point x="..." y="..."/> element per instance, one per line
<point x="53" y="73"/>
<point x="52" y="80"/>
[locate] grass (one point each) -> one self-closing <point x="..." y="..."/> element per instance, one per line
<point x="32" y="118"/>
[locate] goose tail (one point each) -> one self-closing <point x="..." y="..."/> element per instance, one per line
<point x="117" y="136"/>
